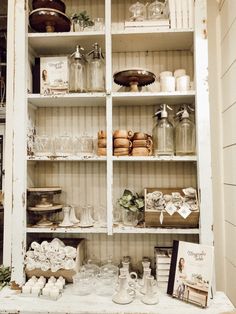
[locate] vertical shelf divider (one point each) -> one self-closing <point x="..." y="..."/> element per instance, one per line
<point x="18" y="143"/>
<point x="108" y="46"/>
<point x="202" y="121"/>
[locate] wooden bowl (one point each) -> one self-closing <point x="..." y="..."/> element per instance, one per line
<point x="142" y="143"/>
<point x="122" y="142"/>
<point x="141" y="151"/>
<point x="123" y="134"/>
<point x="49" y="4"/>
<point x="102" y="151"/>
<point x="49" y="20"/>
<point x="102" y="142"/>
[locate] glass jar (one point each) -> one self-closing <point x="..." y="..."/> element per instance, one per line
<point x="91" y="268"/>
<point x="131" y="218"/>
<point x="83" y="283"/>
<point x="156" y="10"/>
<point x="43" y="145"/>
<point x="138" y="11"/>
<point x="105" y="283"/>
<point x="109" y="268"/>
<point x="86" y="145"/>
<point x="63" y="145"/>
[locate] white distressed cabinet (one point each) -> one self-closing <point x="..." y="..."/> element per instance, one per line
<point x="101" y="180"/>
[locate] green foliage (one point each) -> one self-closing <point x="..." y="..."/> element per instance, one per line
<point x="5" y="276"/>
<point x="132" y="202"/>
<point x="83" y="19"/>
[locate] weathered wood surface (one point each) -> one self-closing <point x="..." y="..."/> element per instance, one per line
<point x="92" y="304"/>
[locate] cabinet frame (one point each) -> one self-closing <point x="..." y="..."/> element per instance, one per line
<point x="16" y="121"/>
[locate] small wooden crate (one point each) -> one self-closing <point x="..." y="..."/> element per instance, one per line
<point x="152" y="217"/>
<point x="67" y="274"/>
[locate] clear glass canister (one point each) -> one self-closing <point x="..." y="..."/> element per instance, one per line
<point x="78" y="72"/>
<point x="185" y="137"/>
<point x="156" y="10"/>
<point x="163" y="134"/>
<point x="96" y="71"/>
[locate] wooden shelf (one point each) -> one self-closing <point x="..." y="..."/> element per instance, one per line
<point x="154" y="158"/>
<point x="119" y="229"/>
<point x="64" y="43"/>
<point x="13" y="302"/>
<point x="76" y="230"/>
<point x="68" y="100"/>
<point x="66" y="158"/>
<point x="152" y="40"/>
<point x="123" y="229"/>
<point x="152" y="98"/>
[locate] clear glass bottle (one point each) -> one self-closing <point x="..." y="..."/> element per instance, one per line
<point x="185" y="137"/>
<point x="78" y="72"/>
<point x="163" y="134"/>
<point x="96" y="70"/>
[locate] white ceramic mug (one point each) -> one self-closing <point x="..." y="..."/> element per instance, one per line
<point x="183" y="83"/>
<point x="168" y="84"/>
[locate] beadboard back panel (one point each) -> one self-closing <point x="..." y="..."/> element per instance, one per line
<point x="141" y="118"/>
<point x="155" y="61"/>
<point x="101" y="247"/>
<point x="82" y="182"/>
<point x="94" y="8"/>
<point x="139" y="175"/>
<point x="74" y="121"/>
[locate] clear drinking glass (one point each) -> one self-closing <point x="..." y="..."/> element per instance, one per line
<point x="98" y="24"/>
<point x="63" y="145"/>
<point x="43" y="145"/>
<point x="86" y="145"/>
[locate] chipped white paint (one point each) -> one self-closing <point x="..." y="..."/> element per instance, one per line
<point x="203" y="123"/>
<point x="106" y="178"/>
<point x="93" y="304"/>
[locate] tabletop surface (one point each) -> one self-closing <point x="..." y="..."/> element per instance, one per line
<point x="11" y="302"/>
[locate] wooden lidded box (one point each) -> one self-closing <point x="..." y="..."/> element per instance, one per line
<point x="152" y="216"/>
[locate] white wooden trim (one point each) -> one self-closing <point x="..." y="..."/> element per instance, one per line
<point x="19" y="143"/>
<point x="108" y="45"/>
<point x="93" y="304"/>
<point x="154" y="158"/>
<point x="9" y="136"/>
<point x="202" y="116"/>
<point x="125" y="230"/>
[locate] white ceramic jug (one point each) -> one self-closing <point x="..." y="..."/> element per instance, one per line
<point x="124" y="295"/>
<point x="150" y="296"/>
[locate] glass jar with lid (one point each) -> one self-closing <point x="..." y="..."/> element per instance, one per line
<point x="156" y="10"/>
<point x="138" y="11"/>
<point x="109" y="268"/>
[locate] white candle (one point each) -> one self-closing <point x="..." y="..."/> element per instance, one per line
<point x="35" y="290"/>
<point x="26" y="289"/>
<point x="62" y="280"/>
<point x="59" y="285"/>
<point x="167" y="84"/>
<point x="179" y="72"/>
<point x="52" y="279"/>
<point x="49" y="285"/>
<point x="54" y="292"/>
<point x="183" y="83"/>
<point x="165" y="73"/>
<point x="46" y="291"/>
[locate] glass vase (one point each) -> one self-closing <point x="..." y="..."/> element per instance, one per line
<point x="129" y="218"/>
